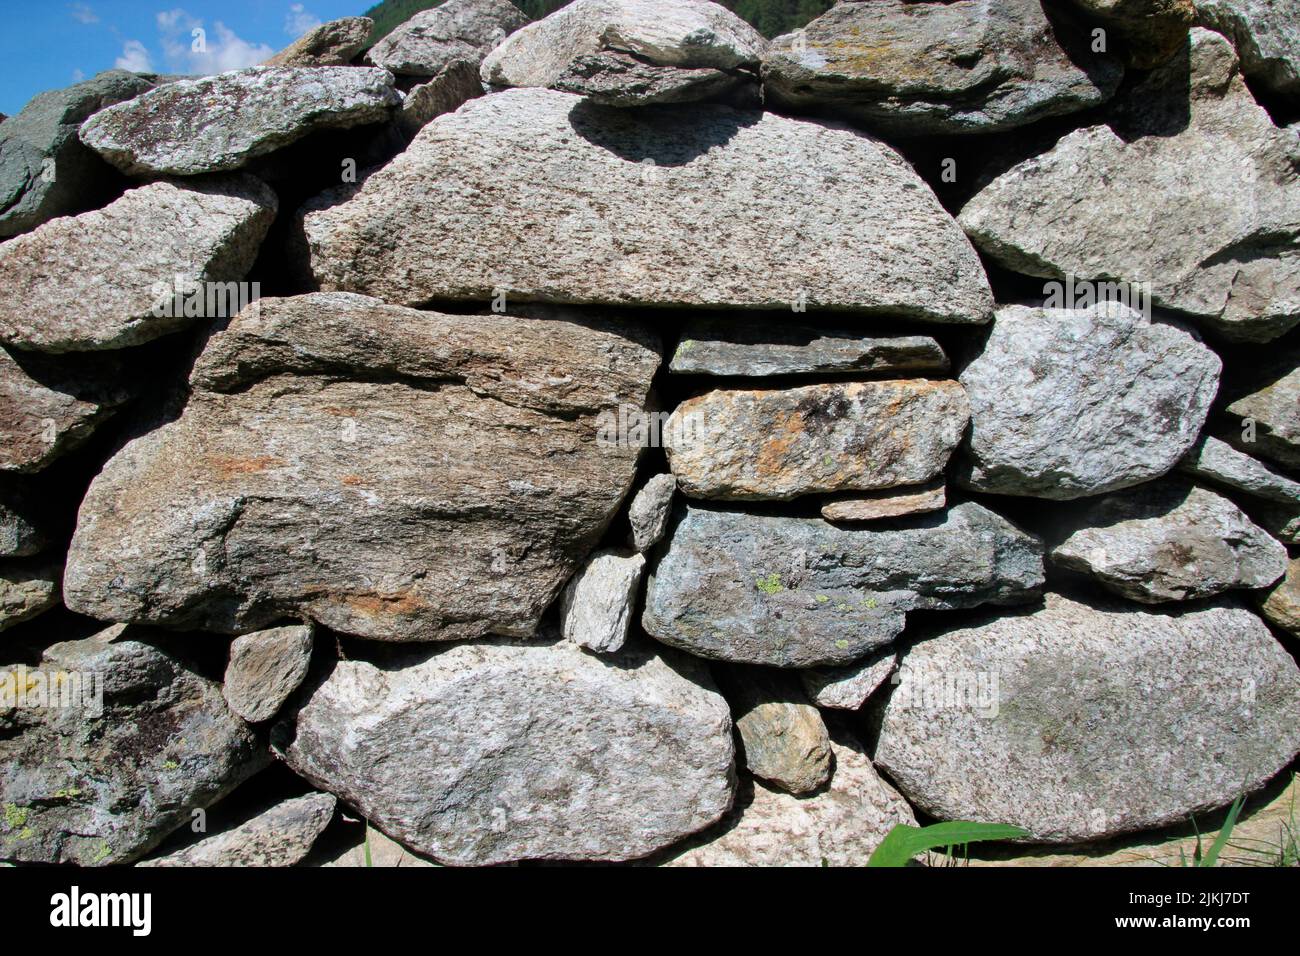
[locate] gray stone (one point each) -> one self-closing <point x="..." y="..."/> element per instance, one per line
<point x="1169" y="541"/>
<point x="27" y="588"/>
<point x="1273" y="412"/>
<point x="720" y="346"/>
<point x="620" y="79"/>
<point x="20" y="532"/>
<point x="847" y="688"/>
<point x="280" y="836"/>
<point x="45" y="171"/>
<point x="784" y="739"/>
<point x="596" y="608"/>
<point x="777" y="444"/>
<point x="388" y="473"/>
<point x="265" y="668"/>
<point x="1073" y="402"/>
<point x="686" y="34"/>
<point x="1266" y="34"/>
<point x="1080" y="722"/>
<point x="1151" y="31"/>
<point x="452" y="88"/>
<point x="492" y="752"/>
<point x="1217" y="461"/>
<point x="217" y="123"/>
<point x="1281" y="522"/>
<point x="969" y="66"/>
<point x="799" y="592"/>
<point x="1190" y="189"/>
<point x="93" y="788"/>
<point x="571" y="202"/>
<point x="123" y="280"/>
<point x="383" y="852"/>
<point x="841" y="826"/>
<point x="891" y="503"/>
<point x="454" y="30"/>
<point x="335" y="43"/>
<point x="649" y="511"/>
<point x="1282" y="605"/>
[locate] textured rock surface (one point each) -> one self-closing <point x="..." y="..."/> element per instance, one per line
<point x="619" y="79"/>
<point x="782" y="735"/>
<point x="374" y="849"/>
<point x="1198" y="199"/>
<point x="46" y="409"/>
<point x="842" y="826"/>
<point x="893" y="503"/>
<point x="112" y="264"/>
<point x="1282" y="523"/>
<point x="1282" y="606"/>
<point x="45" y="171"/>
<point x="847" y="688"/>
<point x="455" y="30"/>
<point x="1072" y="402"/>
<point x="1273" y="406"/>
<point x="1151" y="31"/>
<point x="780" y="443"/>
<point x="20" y="531"/>
<point x="393" y="474"/>
<point x="106" y="788"/>
<point x="1101" y="720"/>
<point x="596" y="608"/>
<point x="565" y="207"/>
<point x="724" y="346"/>
<point x="1169" y="541"/>
<point x="969" y="66"/>
<point x="649" y="511"/>
<point x="281" y="836"/>
<point x="454" y="86"/>
<point x="27" y="588"/>
<point x="335" y="43"/>
<point x="1217" y="461"/>
<point x="462" y="754"/>
<point x="687" y="34"/>
<point x="799" y="592"/>
<point x="217" y="123"/>
<point x="1266" y="34"/>
<point x="264" y="669"/>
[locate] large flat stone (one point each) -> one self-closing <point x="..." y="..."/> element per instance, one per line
<point x="454" y="30"/>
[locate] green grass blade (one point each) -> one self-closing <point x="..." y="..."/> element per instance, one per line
<point x="1212" y="857"/>
<point x="904" y="842"/>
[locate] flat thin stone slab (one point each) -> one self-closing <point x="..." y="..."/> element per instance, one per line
<point x="454" y="86"/>
<point x="596" y="607"/>
<point x="777" y="444"/>
<point x="265" y="668"/>
<point x="800" y="592"/>
<point x="454" y="30"/>
<point x="335" y="43"/>
<point x="848" y="688"/>
<point x="564" y="201"/>
<point x="280" y="836"/>
<point x="1215" y="460"/>
<point x="619" y="79"/>
<point x="891" y="503"/>
<point x="1078" y="722"/>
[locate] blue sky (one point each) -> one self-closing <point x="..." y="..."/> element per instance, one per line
<point x="51" y="43"/>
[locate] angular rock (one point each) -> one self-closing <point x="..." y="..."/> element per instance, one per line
<point x="727" y="347"/>
<point x="681" y="34"/>
<point x="500" y="751"/>
<point x="799" y="592"/>
<point x="374" y="849"/>
<point x="281" y="836"/>
<point x="20" y="532"/>
<point x="1073" y="402"/>
<point x="1190" y="189"/>
<point x="217" y="123"/>
<point x="123" y="279"/>
<point x="785" y="741"/>
<point x="1079" y="722"/>
<point x="586" y="219"/>
<point x="892" y="503"/>
<point x="620" y="79"/>
<point x="841" y="826"/>
<point x="596" y="608"/>
<point x="1281" y="522"/>
<point x="1169" y="541"/>
<point x="1266" y="34"/>
<point x="45" y="171"/>
<point x="649" y="511"/>
<point x="969" y="66"/>
<point x="46" y="409"/>
<point x="454" y="30"/>
<point x="1282" y="606"/>
<point x="1273" y="409"/>
<point x="264" y="669"/>
<point x="1151" y="31"/>
<point x="1217" y="461"/>
<point x="776" y="444"/>
<point x="388" y="473"/>
<point x="98" y="788"/>
<point x="452" y="88"/>
<point x="27" y="589"/>
<point x="335" y="43"/>
<point x="847" y="688"/>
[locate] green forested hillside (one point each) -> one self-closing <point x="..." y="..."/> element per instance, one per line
<point x="771" y="17"/>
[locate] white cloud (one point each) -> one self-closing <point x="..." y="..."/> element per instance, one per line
<point x="82" y="13"/>
<point x="300" y="20"/>
<point x="78" y="76"/>
<point x="214" y="50"/>
<point x="135" y="57"/>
